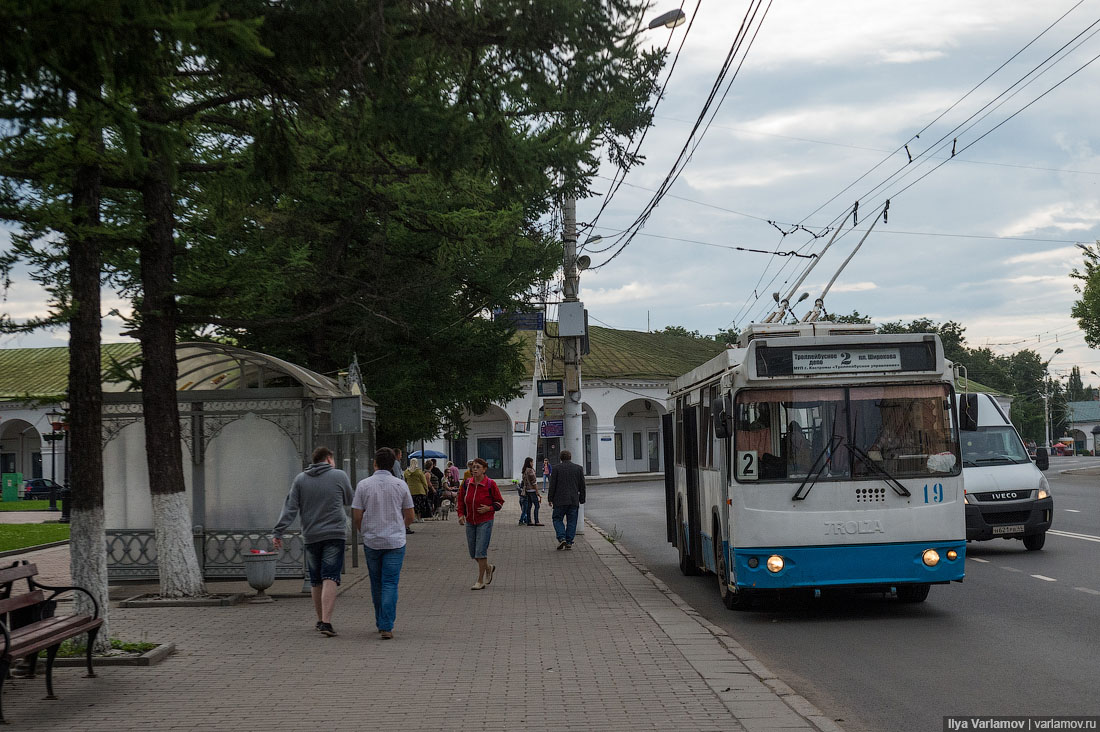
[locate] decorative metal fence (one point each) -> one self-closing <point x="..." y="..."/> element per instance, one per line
<point x="132" y="554"/>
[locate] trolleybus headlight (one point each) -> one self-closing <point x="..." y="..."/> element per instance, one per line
<point x="966" y="498"/>
<point x="775" y="563"/>
<point x="952" y="554"/>
<point x="931" y="557"/>
<point x="753" y="562"/>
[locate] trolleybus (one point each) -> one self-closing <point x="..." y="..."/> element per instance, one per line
<point x="817" y="455"/>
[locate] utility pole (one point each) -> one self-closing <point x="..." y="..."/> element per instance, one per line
<point x="572" y="438"/>
<point x="571" y="330"/>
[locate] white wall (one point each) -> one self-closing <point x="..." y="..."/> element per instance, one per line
<point x="126" y="500"/>
<point x="250" y="465"/>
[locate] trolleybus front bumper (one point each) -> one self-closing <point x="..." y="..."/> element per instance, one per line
<point x="849" y="565"/>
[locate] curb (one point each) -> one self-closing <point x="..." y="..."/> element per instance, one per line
<point x="149" y="658"/>
<point x="36" y="547"/>
<point x="794" y="701"/>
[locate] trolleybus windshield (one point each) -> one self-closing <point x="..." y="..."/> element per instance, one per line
<point x="880" y="432"/>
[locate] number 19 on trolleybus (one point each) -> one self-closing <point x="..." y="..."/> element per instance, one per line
<point x="817" y="455"/>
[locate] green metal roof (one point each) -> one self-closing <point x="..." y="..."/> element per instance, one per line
<point x="44" y="372"/>
<point x="624" y="354"/>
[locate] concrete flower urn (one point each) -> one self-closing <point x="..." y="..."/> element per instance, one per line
<point x="259" y="570"/>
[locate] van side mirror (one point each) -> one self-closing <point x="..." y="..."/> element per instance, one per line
<point x="1042" y="459"/>
<point x="968" y="413"/>
<point x="721" y="410"/>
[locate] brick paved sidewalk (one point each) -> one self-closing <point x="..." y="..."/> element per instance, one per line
<point x="577" y="640"/>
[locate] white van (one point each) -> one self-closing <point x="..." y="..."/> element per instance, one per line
<point x="1006" y="494"/>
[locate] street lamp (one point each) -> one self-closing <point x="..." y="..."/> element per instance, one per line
<point x="54" y="416"/>
<point x="1046" y="399"/>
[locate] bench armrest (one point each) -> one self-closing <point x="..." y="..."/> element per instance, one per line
<point x="7" y="640"/>
<point x="55" y="591"/>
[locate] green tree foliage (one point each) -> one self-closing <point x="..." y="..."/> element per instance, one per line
<point x="854" y="317"/>
<point x="1087" y="309"/>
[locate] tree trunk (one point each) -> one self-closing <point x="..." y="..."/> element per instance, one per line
<point x="178" y="565"/>
<point x="87" y="545"/>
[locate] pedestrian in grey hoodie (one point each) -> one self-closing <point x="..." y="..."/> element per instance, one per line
<point x="320" y="495"/>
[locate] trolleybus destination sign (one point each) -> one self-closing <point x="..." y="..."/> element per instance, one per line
<point x="826" y="361"/>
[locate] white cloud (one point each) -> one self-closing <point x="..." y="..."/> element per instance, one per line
<point x="1048" y="255"/>
<point x="1064" y="216"/>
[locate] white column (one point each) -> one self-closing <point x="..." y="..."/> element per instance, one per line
<point x="605" y="450"/>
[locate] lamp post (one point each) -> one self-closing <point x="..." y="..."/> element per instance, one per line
<point x="1046" y="399"/>
<point x="54" y="417"/>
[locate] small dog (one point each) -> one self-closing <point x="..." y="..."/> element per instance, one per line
<point x="444" y="511"/>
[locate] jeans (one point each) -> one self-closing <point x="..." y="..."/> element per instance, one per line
<point x="477" y="538"/>
<point x="566" y="531"/>
<point x="533" y="507"/>
<point x="524" y="509"/>
<point x="384" y="567"/>
<point x="325" y="561"/>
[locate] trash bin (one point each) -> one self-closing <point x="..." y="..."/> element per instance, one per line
<point x="259" y="570"/>
<point x="65" y="494"/>
<point x="12" y="482"/>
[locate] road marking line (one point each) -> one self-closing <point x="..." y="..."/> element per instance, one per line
<point x="1086" y="589"/>
<point x="1044" y="578"/>
<point x="1011" y="569"/>
<point x="1071" y="510"/>
<point x="1072" y="535"/>
<point x="975" y="559"/>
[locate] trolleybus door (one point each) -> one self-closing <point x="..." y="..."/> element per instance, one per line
<point x="691" y="467"/>
<point x="669" y="448"/>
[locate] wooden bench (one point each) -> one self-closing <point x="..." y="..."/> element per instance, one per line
<point x="29" y="625"/>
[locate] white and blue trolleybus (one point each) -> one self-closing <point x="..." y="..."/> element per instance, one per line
<point x="817" y="455"/>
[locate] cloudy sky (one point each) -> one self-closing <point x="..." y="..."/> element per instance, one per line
<point x="827" y="92"/>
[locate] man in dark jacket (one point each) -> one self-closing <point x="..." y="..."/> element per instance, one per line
<point x="565" y="496"/>
<point x="320" y="495"/>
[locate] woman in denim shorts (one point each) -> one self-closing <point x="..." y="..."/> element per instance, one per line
<point x="478" y="501"/>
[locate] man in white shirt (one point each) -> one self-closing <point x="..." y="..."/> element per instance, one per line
<point x="382" y="509"/>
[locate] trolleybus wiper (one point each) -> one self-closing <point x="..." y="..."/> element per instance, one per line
<point x="815" y="470"/>
<point x="878" y="470"/>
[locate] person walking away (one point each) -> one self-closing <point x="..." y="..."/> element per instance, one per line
<point x="320" y="495"/>
<point x="418" y="487"/>
<point x="546" y="470"/>
<point x="382" y="509"/>
<point x="530" y="486"/>
<point x="435" y="475"/>
<point x="478" y="501"/>
<point x="565" y="496"/>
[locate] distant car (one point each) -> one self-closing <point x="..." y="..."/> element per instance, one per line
<point x="39" y="488"/>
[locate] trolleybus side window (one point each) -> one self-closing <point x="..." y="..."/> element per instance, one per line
<point x="680" y="431"/>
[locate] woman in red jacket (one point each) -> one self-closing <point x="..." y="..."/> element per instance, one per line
<point x="478" y="501"/>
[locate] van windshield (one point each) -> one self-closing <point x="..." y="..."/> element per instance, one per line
<point x="992" y="446"/>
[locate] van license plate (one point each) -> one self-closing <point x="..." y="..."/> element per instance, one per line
<point x="1011" y="529"/>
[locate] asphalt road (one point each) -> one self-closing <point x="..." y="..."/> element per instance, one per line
<point x="1021" y="635"/>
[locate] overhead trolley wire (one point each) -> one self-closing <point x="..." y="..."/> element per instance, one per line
<point x="688" y="149"/>
<point x="981" y="114"/>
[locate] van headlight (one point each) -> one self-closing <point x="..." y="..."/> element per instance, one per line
<point x="1044" y="487"/>
<point x="966" y="498"/>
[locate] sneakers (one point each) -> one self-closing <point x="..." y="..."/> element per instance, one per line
<point x="319" y="624"/>
<point x="385" y="634"/>
<point x="568" y="546"/>
<point x="409" y="531"/>
<point x="561" y="544"/>
<point x="489" y="579"/>
<point x="478" y="586"/>
<point x="326" y="629"/>
<point x="538" y="524"/>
